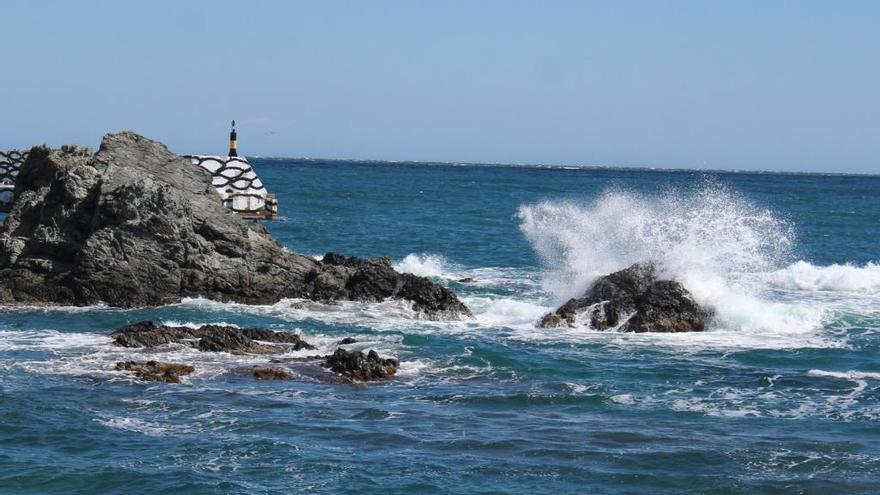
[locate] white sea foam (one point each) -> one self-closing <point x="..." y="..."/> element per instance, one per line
<point x="437" y="266"/>
<point x="140" y="426"/>
<point x="49" y="340"/>
<point x="736" y="402"/>
<point x="844" y="278"/>
<point x="580" y="389"/>
<point x="195" y="325"/>
<point x="386" y="315"/>
<point x="506" y="312"/>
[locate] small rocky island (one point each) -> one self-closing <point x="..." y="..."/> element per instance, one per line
<point x="136" y="225"/>
<point x="632" y="300"/>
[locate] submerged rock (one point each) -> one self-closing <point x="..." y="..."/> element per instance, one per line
<point x="136" y="225"/>
<point x="155" y="371"/>
<point x="632" y="300"/>
<point x="272" y="374"/>
<point x="361" y="367"/>
<point x="210" y="338"/>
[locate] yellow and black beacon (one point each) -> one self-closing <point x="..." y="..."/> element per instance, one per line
<point x="233" y="141"/>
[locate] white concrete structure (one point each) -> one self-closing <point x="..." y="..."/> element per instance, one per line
<point x="10" y="162"/>
<point x="238" y="185"/>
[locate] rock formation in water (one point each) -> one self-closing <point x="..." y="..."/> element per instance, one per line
<point x="353" y="365"/>
<point x="362" y="367"/>
<point x="632" y="300"/>
<point x="209" y="338"/>
<point x="271" y="374"/>
<point x="136" y="225"/>
<point x="155" y="371"/>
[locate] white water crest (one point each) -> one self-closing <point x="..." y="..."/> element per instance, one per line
<point x="846" y="375"/>
<point x="720" y="245"/>
<point x="841" y="278"/>
<point x="424" y="265"/>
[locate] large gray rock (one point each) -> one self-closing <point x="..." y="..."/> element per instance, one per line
<point x="136" y="225"/>
<point x="632" y="300"/>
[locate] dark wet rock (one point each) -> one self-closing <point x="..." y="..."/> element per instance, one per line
<point x="347" y="340"/>
<point x="361" y="367"/>
<point x="360" y="279"/>
<point x="632" y="300"/>
<point x="272" y="374"/>
<point x="155" y="371"/>
<point x="550" y="320"/>
<point x="136" y="225"/>
<point x="210" y="338"/>
<point x="467" y="280"/>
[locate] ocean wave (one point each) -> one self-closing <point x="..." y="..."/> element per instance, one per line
<point x="847" y="375"/>
<point x="804" y="276"/>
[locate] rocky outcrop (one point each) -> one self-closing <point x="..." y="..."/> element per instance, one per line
<point x="209" y="338"/>
<point x="353" y="365"/>
<point x="155" y="371"/>
<point x="632" y="300"/>
<point x="136" y="225"/>
<point x="375" y="280"/>
<point x="361" y="367"/>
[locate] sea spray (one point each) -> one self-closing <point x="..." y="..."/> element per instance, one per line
<point x="423" y="265"/>
<point x="708" y="237"/>
<point x="709" y="229"/>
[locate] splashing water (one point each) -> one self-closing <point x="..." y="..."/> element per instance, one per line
<point x="709" y="230"/>
<point x="424" y="265"/>
<point x="712" y="240"/>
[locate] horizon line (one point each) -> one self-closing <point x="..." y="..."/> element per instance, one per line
<point x="562" y="166"/>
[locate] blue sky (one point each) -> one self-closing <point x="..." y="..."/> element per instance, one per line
<point x="748" y="85"/>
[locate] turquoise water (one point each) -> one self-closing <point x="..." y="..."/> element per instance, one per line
<point x="781" y="395"/>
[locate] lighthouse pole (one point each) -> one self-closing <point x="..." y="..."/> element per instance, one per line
<point x="233" y="141"/>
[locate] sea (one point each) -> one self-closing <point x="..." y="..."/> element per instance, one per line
<point x="780" y="395"/>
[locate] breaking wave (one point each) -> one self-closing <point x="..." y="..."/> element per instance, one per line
<point x="424" y="265"/>
<point x="725" y="249"/>
<point x="710" y="230"/>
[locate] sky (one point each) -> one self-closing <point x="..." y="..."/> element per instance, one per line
<point x="764" y="85"/>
